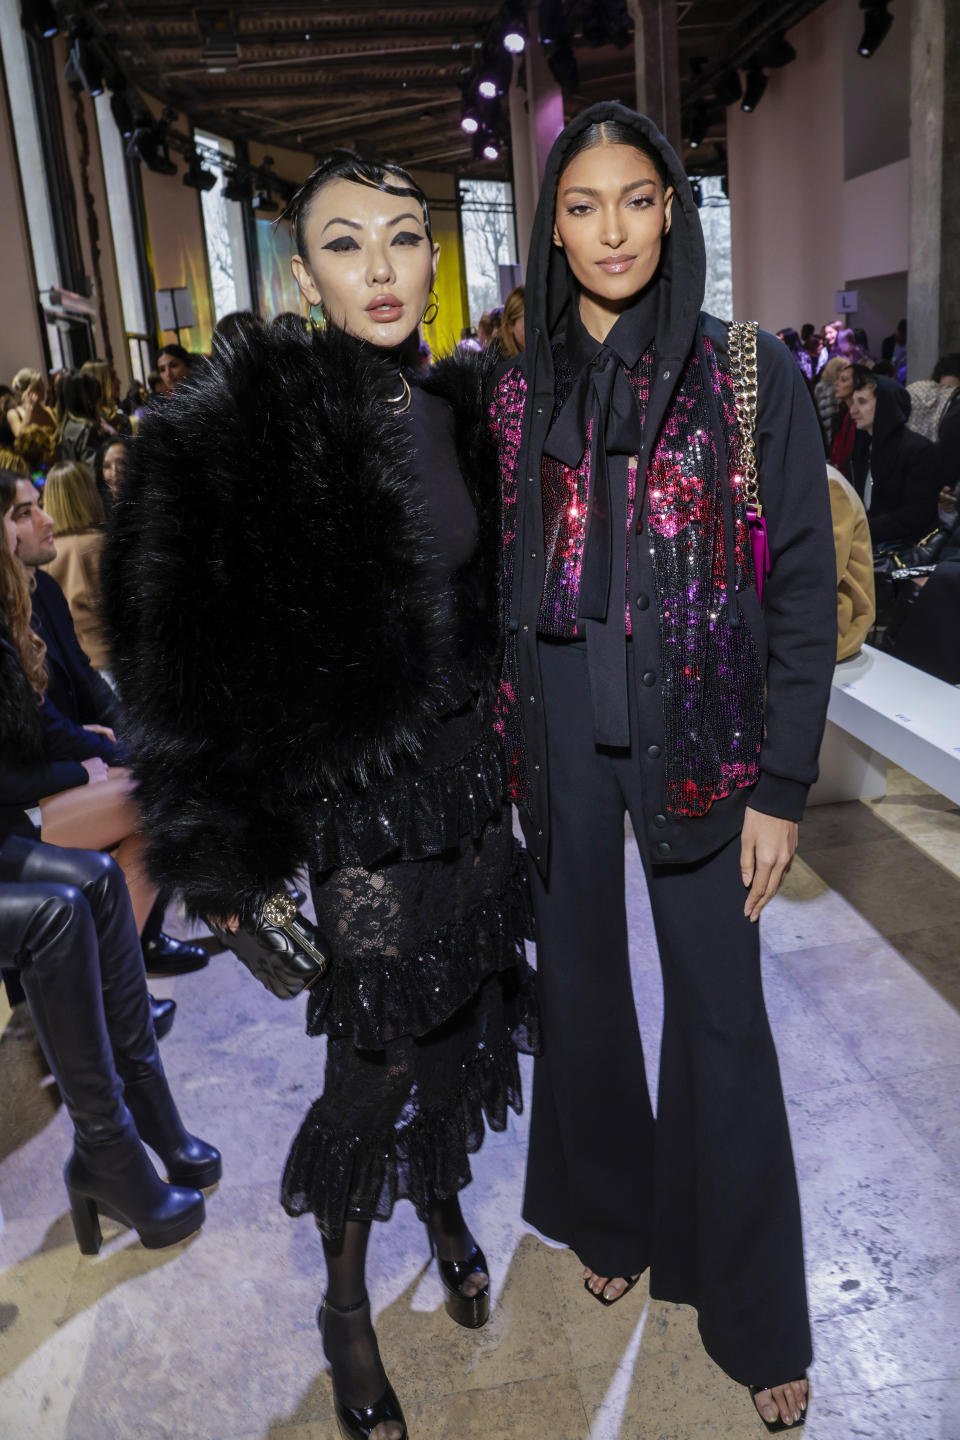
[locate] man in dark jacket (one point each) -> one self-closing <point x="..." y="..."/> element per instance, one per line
<point x="893" y="468"/>
<point x="82" y="696"/>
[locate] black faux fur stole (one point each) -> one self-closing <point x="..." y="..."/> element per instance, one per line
<point x="273" y="627"/>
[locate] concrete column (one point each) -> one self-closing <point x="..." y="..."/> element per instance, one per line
<point x="536" y="119"/>
<point x="658" y="64"/>
<point x="933" y="291"/>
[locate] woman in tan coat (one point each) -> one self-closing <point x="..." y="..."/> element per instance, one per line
<point x="856" y="601"/>
<point x="71" y="500"/>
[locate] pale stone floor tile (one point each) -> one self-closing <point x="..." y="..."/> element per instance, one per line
<point x="930" y="1100"/>
<point x="892" y="883"/>
<point x="892" y="1019"/>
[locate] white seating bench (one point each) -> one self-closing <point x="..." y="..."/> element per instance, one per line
<point x="881" y="709"/>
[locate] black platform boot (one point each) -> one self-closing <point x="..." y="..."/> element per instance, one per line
<point x="50" y="927"/>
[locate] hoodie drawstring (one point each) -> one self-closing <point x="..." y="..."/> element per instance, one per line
<point x="729" y="533"/>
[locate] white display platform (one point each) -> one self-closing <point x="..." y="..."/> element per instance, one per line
<point x="881" y="709"/>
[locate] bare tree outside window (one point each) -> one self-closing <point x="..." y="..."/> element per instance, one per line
<point x="486" y="211"/>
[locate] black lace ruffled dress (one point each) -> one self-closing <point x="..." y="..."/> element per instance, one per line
<point x="420" y="891"/>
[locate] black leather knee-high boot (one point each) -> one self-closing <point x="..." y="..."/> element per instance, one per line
<point x="126" y="1006"/>
<point x="49" y="929"/>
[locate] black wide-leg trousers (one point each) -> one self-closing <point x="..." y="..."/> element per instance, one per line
<point x="705" y="1194"/>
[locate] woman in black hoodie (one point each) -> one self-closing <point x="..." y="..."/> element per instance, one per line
<point x="643" y="675"/>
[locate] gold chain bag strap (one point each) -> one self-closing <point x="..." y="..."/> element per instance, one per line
<point x="742" y="351"/>
<point x="279" y="946"/>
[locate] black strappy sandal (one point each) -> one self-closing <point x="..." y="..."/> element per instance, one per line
<point x="776" y="1427"/>
<point x="603" y="1299"/>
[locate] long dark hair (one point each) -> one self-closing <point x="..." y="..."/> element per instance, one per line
<point x="343" y="164"/>
<point x="79" y="398"/>
<point x="15" y="603"/>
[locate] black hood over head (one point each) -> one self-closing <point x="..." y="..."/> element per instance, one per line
<point x="881" y="450"/>
<point x="681" y="276"/>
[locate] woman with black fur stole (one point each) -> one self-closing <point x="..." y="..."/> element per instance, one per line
<point x="302" y="587"/>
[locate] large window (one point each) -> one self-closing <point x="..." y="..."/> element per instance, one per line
<point x="223" y="224"/>
<point x="489" y="243"/>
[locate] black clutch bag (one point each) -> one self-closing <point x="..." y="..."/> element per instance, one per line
<point x="279" y="947"/>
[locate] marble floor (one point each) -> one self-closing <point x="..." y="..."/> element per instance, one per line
<point x="215" y="1339"/>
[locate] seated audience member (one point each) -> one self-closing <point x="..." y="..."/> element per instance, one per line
<point x="947" y="371"/>
<point x="173" y="366"/>
<point x="79" y="432"/>
<point x="81" y="695"/>
<point x="830" y="332"/>
<point x="815" y="351"/>
<point x="112" y="418"/>
<point x="856" y="595"/>
<point x="512" y="334"/>
<point x="825" y="399"/>
<point x="154" y="383"/>
<point x="893" y="469"/>
<point x="70" y="499"/>
<point x="110" y="469"/>
<point x="30" y="403"/>
<point x="842" y="447"/>
<point x="923" y="631"/>
<point x="486" y="328"/>
<point x="863" y="347"/>
<point x="883" y="367"/>
<point x="894" y="349"/>
<point x="67" y="928"/>
<point x="235" y="325"/>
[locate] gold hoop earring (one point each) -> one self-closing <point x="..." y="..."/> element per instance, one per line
<point x="426" y="318"/>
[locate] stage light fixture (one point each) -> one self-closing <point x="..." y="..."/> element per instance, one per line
<point x="39" y="19"/>
<point x="876" y="26"/>
<point x="491" y="151"/>
<point x="727" y="88"/>
<point x="699" y="122"/>
<point x="122" y="112"/>
<point x="488" y="89"/>
<point x="83" y="65"/>
<point x="263" y="202"/>
<point x="195" y="177"/>
<point x="753" y="90"/>
<point x="148" y="144"/>
<point x="514" y="40"/>
<point x="776" y="52"/>
<point x="469" y="123"/>
<point x="238" y="189"/>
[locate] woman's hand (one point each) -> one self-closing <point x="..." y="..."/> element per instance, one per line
<point x="102" y="730"/>
<point x="96" y="770"/>
<point x="767" y="847"/>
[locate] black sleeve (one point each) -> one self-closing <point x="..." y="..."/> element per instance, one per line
<point x="65" y="741"/>
<point x="800" y="596"/>
<point x="96" y="702"/>
<point x="26" y="784"/>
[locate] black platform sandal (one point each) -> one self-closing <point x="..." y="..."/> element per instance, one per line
<point x="470" y="1311"/>
<point x="358" y="1422"/>
<point x="776" y="1427"/>
<point x="603" y="1299"/>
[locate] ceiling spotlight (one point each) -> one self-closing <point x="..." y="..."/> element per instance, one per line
<point x="148" y="144"/>
<point x="263" y="202"/>
<point x="698" y="125"/>
<point x="514" y="40"/>
<point x="876" y="26"/>
<point x="83" y="64"/>
<point x="236" y="188"/>
<point x="39" y="19"/>
<point x="469" y="124"/>
<point x="776" y="52"/>
<point x="195" y="177"/>
<point x="123" y="114"/>
<point x="491" y="151"/>
<point x="754" y="88"/>
<point x="727" y="88"/>
<point x="488" y="89"/>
